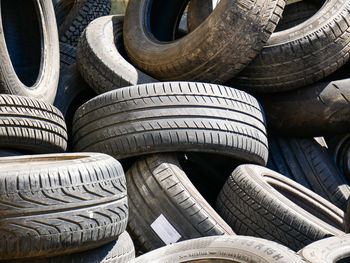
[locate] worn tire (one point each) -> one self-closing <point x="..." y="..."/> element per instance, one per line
<point x="159" y="188"/>
<point x="172" y="116"/>
<point x="32" y="125"/>
<point x="328" y="250"/>
<point x="77" y="15"/>
<point x="206" y="54"/>
<point x="29" y="49"/>
<point x="100" y="56"/>
<point x="121" y="250"/>
<point x="60" y="204"/>
<point x="260" y="202"/>
<point x="67" y="54"/>
<point x="226" y="248"/>
<point x="307" y="163"/>
<point x="318" y="110"/>
<point x="303" y="54"/>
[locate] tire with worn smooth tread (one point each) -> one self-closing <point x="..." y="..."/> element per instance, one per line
<point x="159" y="189"/>
<point x="301" y="55"/>
<point x="31" y="125"/>
<point x="206" y="54"/>
<point x="29" y="49"/>
<point x="172" y="116"/>
<point x="307" y="163"/>
<point x="225" y="248"/>
<point x="260" y="202"/>
<point x="60" y="204"/>
<point x="100" y="56"/>
<point x="328" y="250"/>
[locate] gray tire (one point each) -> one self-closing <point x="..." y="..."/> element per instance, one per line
<point x="170" y="117"/>
<point x="259" y="202"/>
<point x="160" y="194"/>
<point x="60" y="204"/>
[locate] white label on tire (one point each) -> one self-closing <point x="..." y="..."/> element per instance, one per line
<point x="165" y="230"/>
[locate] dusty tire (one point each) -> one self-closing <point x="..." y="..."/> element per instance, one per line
<point x="159" y="191"/>
<point x="170" y="117"/>
<point x="121" y="250"/>
<point x="31" y="125"/>
<point x="205" y="55"/>
<point x="226" y="248"/>
<point x="60" y="204"/>
<point x="259" y="202"/>
<point x="75" y="15"/>
<point x="307" y="163"/>
<point x="318" y="110"/>
<point x="100" y="56"/>
<point x="328" y="250"/>
<point x="30" y="53"/>
<point x="303" y="54"/>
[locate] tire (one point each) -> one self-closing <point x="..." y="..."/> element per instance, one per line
<point x="170" y="117"/>
<point x="213" y="249"/>
<point x="9" y="152"/>
<point x="31" y="125"/>
<point x="68" y="54"/>
<point x="205" y="55"/>
<point x="318" y="110"/>
<point x="75" y="15"/>
<point x="259" y="202"/>
<point x="119" y="251"/>
<point x="328" y="250"/>
<point x="60" y="204"/>
<point x="161" y="194"/>
<point x="347" y="219"/>
<point x="100" y="57"/>
<point x="30" y="53"/>
<point x="301" y="55"/>
<point x="198" y="11"/>
<point x="307" y="163"/>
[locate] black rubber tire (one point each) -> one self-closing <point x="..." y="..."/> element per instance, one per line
<point x="347" y="219"/>
<point x="68" y="54"/>
<point x="121" y="250"/>
<point x="226" y="248"/>
<point x="198" y="11"/>
<point x="29" y="49"/>
<point x="301" y="55"/>
<point x="9" y="152"/>
<point x="60" y="204"/>
<point x="32" y="125"/>
<point x="259" y="202"/>
<point x="170" y="117"/>
<point x="207" y="54"/>
<point x="100" y="56"/>
<point x="307" y="163"/>
<point x="317" y="110"/>
<point x="75" y="15"/>
<point x="157" y="186"/>
<point x="328" y="250"/>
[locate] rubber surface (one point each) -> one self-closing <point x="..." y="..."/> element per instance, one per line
<point x="172" y="116"/>
<point x="60" y="204"/>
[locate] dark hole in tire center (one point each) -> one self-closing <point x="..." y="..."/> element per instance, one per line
<point x="163" y="18"/>
<point x="21" y="26"/>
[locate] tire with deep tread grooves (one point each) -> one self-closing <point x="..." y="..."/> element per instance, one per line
<point x="29" y="51"/>
<point x="60" y="204"/>
<point x="206" y="54"/>
<point x="328" y="250"/>
<point x="75" y="15"/>
<point x="303" y="54"/>
<point x="31" y="125"/>
<point x="172" y="116"/>
<point x="100" y="56"/>
<point x="68" y="54"/>
<point x="259" y="202"/>
<point x="317" y="110"/>
<point x="157" y="186"/>
<point x="307" y="163"/>
<point x="121" y="250"/>
<point x="217" y="248"/>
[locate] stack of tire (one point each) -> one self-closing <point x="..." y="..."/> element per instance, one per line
<point x="167" y="102"/>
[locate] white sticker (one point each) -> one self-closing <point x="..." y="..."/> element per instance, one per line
<point x="165" y="230"/>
